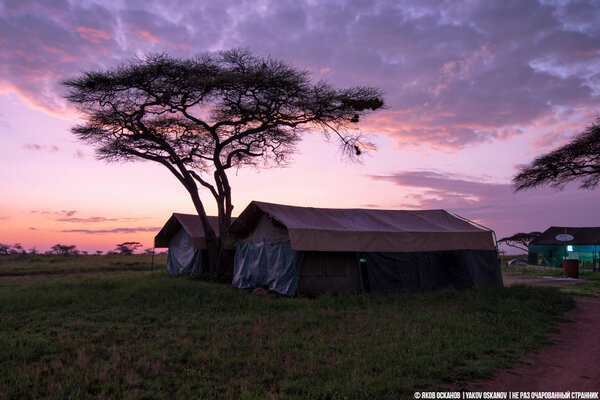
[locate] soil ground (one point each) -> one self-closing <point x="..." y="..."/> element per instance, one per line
<point x="570" y="363"/>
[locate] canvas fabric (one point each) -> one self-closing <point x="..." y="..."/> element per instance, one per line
<point x="192" y="224"/>
<point x="270" y="265"/>
<point x="391" y="273"/>
<point x="362" y="230"/>
<point x="182" y="257"/>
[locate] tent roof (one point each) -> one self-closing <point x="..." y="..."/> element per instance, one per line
<point x="326" y="229"/>
<point x="581" y="236"/>
<point x="193" y="226"/>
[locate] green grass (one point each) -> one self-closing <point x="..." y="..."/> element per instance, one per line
<point x="525" y="270"/>
<point x="142" y="334"/>
<point x="590" y="287"/>
<point x="19" y="265"/>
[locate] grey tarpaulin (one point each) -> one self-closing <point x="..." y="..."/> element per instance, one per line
<point x="395" y="272"/>
<point x="270" y="265"/>
<point x="182" y="257"/>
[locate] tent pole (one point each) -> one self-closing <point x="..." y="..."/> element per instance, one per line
<point x="152" y="268"/>
<point x="362" y="281"/>
<point x="221" y="245"/>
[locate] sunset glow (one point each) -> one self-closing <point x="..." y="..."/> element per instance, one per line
<point x="472" y="90"/>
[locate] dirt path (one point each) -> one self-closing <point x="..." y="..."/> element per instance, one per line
<point x="571" y="363"/>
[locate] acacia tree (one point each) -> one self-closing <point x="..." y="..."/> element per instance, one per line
<point x="127" y="248"/>
<point x="577" y="160"/>
<point x="520" y="240"/>
<point x="4" y="248"/>
<point x="203" y="116"/>
<point x="64" y="249"/>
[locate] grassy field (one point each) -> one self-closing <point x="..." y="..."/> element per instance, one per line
<point x="20" y="265"/>
<point x="108" y="327"/>
<point x="590" y="286"/>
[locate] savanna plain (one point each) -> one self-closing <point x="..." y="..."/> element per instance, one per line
<point x="113" y="326"/>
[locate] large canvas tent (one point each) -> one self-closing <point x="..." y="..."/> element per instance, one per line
<point x="183" y="235"/>
<point x="584" y="246"/>
<point x="303" y="250"/>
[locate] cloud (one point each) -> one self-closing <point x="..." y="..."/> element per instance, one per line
<point x="456" y="74"/>
<point x="87" y="220"/>
<point x="67" y="216"/>
<point x="67" y="213"/>
<point x="495" y="205"/>
<point x="3" y="123"/>
<point x="443" y="190"/>
<point x="114" y="230"/>
<point x="95" y="36"/>
<point x="38" y="147"/>
<point x="93" y="220"/>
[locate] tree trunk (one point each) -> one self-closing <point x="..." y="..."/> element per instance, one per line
<point x="212" y="241"/>
<point x="220" y="260"/>
<point x="226" y="256"/>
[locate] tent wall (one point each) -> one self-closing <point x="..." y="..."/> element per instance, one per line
<point x="182" y="258"/>
<point x="390" y="273"/>
<point x="328" y="272"/>
<point x="273" y="266"/>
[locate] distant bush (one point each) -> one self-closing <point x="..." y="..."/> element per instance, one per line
<point x="64" y="249"/>
<point x="16" y="248"/>
<point x="4" y="248"/>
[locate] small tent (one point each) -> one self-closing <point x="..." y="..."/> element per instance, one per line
<point x="583" y="244"/>
<point x="303" y="250"/>
<point x="183" y="235"/>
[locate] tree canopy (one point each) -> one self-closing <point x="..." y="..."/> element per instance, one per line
<point x="520" y="240"/>
<point x="202" y="116"/>
<point x="127" y="247"/>
<point x="577" y="160"/>
<point x="64" y="249"/>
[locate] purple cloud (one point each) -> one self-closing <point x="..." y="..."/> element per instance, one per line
<point x="456" y="73"/>
<point x="92" y="220"/>
<point x="32" y="146"/>
<point x="66" y="213"/>
<point x="87" y="220"/>
<point x="37" y="147"/>
<point x="114" y="230"/>
<point x="496" y="205"/>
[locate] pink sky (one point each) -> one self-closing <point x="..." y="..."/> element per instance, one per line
<point x="473" y="90"/>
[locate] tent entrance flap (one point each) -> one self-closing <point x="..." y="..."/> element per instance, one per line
<point x="183" y="258"/>
<point x="270" y="265"/>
